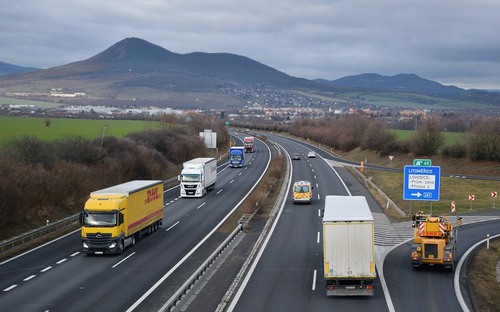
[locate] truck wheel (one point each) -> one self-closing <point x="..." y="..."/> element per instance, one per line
<point x="133" y="240"/>
<point x="122" y="246"/>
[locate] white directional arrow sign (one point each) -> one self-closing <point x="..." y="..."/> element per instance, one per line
<point x="418" y="194"/>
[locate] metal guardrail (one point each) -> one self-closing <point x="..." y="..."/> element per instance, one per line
<point x="49" y="228"/>
<point x="197" y="275"/>
<point x="36" y="233"/>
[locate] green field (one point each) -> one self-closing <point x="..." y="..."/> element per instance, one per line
<point x="11" y="127"/>
<point x="451" y="137"/>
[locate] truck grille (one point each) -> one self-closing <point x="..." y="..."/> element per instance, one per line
<point x="431" y="251"/>
<point x="187" y="186"/>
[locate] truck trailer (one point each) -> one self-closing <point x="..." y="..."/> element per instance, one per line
<point x="348" y="246"/>
<point x="236" y="156"/>
<point x="198" y="176"/>
<point x="114" y="217"/>
<point x="249" y="143"/>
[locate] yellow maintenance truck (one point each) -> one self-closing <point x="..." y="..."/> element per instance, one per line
<point x="114" y="217"/>
<point x="434" y="241"/>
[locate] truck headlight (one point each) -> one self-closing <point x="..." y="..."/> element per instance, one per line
<point x="85" y="245"/>
<point x="113" y="245"/>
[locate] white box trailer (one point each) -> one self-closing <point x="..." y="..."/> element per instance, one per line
<point x="348" y="246"/>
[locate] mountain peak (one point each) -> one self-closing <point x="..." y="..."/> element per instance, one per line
<point x="132" y="49"/>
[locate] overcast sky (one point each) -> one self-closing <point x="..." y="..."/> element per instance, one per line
<point x="454" y="42"/>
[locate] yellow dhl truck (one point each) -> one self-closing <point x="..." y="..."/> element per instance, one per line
<point x="302" y="192"/>
<point x="114" y="217"/>
<point x="434" y="241"/>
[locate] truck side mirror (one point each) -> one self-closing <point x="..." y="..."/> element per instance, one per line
<point x="120" y="218"/>
<point x="179" y="178"/>
<point x="80" y="217"/>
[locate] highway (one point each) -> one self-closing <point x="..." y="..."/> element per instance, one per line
<point x="58" y="277"/>
<point x="288" y="274"/>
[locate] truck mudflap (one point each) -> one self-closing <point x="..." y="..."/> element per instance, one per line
<point x="351" y="288"/>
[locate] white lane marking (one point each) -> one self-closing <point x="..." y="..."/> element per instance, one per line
<point x="240" y="173"/>
<point x="312" y="170"/>
<point x="61" y="261"/>
<point x="114" y="266"/>
<point x="201" y="205"/>
<point x="10" y="288"/>
<point x="172" y="226"/>
<point x="319" y="212"/>
<point x="29" y="277"/>
<point x="219" y="191"/>
<point x="46" y="269"/>
<point x="317" y="186"/>
<point x="319" y="197"/>
<point x="231" y="181"/>
<point x="74" y="254"/>
<point x="315" y="178"/>
<point x="317" y="239"/>
<point x="314" y="280"/>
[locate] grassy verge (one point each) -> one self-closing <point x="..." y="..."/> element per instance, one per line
<point x="483" y="278"/>
<point x="454" y="189"/>
<point x="262" y="198"/>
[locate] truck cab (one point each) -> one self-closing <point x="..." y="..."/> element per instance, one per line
<point x="236" y="156"/>
<point x="302" y="192"/>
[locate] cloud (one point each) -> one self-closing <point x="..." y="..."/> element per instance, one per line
<point x="447" y="41"/>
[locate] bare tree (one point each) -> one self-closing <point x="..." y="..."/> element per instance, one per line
<point x="428" y="139"/>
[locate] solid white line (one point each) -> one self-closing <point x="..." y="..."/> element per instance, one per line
<point x="46" y="269"/>
<point x="61" y="261"/>
<point x="48" y="243"/>
<point x="172" y="226"/>
<point x="219" y="191"/>
<point x="74" y="254"/>
<point x="164" y="277"/>
<point x="245" y="281"/>
<point x="10" y="288"/>
<point x="201" y="205"/>
<point x="456" y="278"/>
<point x="314" y="280"/>
<point x="29" y="277"/>
<point x="123" y="260"/>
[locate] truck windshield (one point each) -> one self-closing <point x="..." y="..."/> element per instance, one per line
<point x="190" y="178"/>
<point x="301" y="189"/>
<point x="99" y="219"/>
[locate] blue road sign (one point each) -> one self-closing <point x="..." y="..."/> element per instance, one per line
<point x="421" y="183"/>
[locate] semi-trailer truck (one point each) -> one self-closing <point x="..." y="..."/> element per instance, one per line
<point x="236" y="156"/>
<point x="114" y="217"/>
<point x="348" y="246"/>
<point x="198" y="176"/>
<point x="248" y="143"/>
